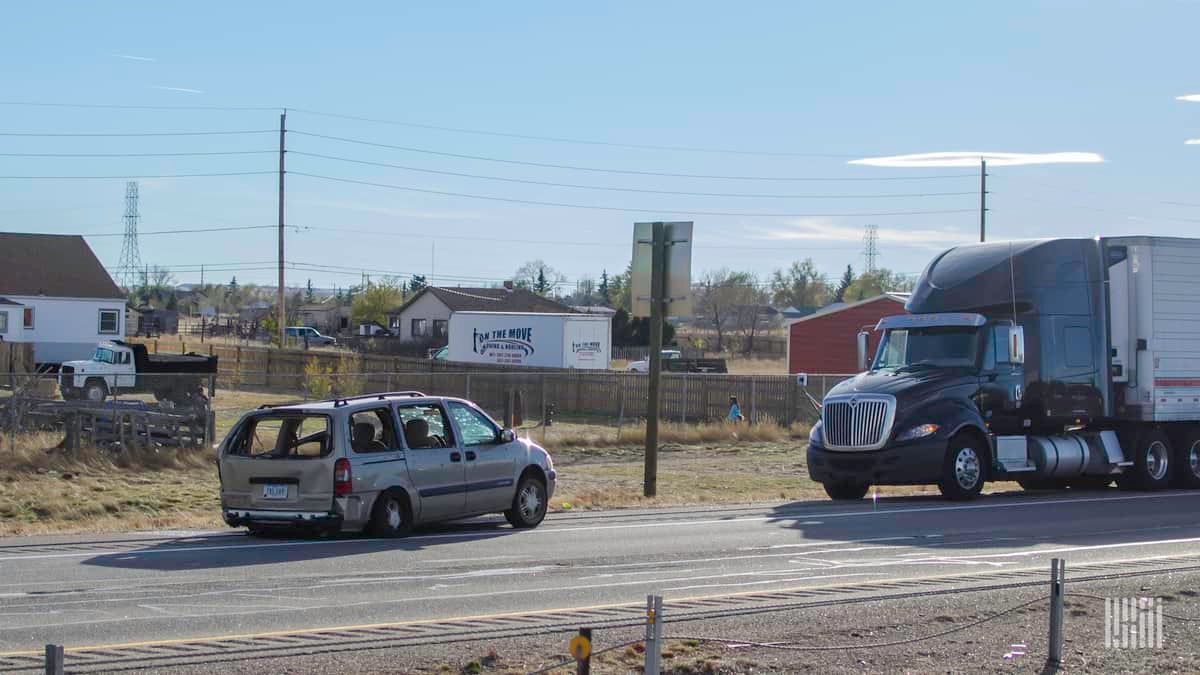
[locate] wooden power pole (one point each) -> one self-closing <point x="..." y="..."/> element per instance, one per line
<point x="281" y="315"/>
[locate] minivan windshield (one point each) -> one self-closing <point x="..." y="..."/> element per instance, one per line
<point x="932" y="347"/>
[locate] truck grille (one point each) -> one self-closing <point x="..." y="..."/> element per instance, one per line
<point x="858" y="422"/>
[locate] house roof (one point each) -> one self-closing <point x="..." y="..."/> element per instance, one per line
<point x="489" y="300"/>
<point x="6" y="301"/>
<point x="842" y="306"/>
<point x="54" y="265"/>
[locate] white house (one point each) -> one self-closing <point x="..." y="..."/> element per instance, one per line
<point x="425" y="317"/>
<point x="11" y="314"/>
<point x="67" y="300"/>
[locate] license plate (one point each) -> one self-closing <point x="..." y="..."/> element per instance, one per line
<point x="275" y="492"/>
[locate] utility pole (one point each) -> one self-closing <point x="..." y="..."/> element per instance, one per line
<point x="279" y="300"/>
<point x="658" y="302"/>
<point x="202" y="276"/>
<point x="982" y="200"/>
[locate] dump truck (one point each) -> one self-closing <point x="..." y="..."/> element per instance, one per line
<point x="118" y="367"/>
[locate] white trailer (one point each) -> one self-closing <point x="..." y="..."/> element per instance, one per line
<point x="581" y="341"/>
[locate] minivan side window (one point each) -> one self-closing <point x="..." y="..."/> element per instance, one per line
<point x="476" y="428"/>
<point x="425" y="426"/>
<point x="373" y="431"/>
<point x="283" y="437"/>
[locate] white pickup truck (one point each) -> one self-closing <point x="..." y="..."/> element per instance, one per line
<point x="119" y="367"/>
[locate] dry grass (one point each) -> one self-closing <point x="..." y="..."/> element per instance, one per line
<point x="570" y="435"/>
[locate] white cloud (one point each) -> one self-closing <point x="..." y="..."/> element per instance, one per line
<point x="964" y="159"/>
<point x="1192" y="141"/>
<point x="183" y="90"/>
<point x="824" y="231"/>
<point x="131" y="57"/>
<point x="1194" y="98"/>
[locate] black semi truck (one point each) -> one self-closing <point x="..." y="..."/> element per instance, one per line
<point x="1055" y="363"/>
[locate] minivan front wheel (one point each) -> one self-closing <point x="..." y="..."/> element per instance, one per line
<point x="529" y="503"/>
<point x="391" y="516"/>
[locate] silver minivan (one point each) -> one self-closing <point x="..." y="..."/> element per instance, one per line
<point x="381" y="463"/>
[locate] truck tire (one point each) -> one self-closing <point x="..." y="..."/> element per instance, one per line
<point x="1152" y="457"/>
<point x="1186" y="473"/>
<point x="846" y="491"/>
<point x="95" y="391"/>
<point x="964" y="470"/>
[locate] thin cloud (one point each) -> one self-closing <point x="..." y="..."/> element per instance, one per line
<point x="1192" y="141"/>
<point x="825" y="231"/>
<point x="1194" y="98"/>
<point x="183" y="90"/>
<point x="965" y="159"/>
<point x="131" y="57"/>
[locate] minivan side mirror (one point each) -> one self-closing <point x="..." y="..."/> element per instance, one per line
<point x="508" y="436"/>
<point x="862" y="343"/>
<point x="1016" y="345"/>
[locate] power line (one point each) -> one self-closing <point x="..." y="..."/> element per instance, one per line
<point x="625" y="189"/>
<point x="623" y="209"/>
<point x="576" y="141"/>
<point x="482" y="158"/>
<point x="126" y="176"/>
<point x="41" y="134"/>
<point x="186" y="231"/>
<point x="136" y="154"/>
<point x="122" y="106"/>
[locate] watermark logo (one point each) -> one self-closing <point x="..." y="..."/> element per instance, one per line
<point x="1133" y="623"/>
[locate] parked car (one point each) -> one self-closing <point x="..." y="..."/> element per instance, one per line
<point x="381" y="463"/>
<point x="311" y="335"/>
<point x="440" y="354"/>
<point x="643" y="366"/>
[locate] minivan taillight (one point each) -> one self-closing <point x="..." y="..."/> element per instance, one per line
<point x="342" y="481"/>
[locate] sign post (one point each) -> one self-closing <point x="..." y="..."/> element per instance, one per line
<point x="661" y="286"/>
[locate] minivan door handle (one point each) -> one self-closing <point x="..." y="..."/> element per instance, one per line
<point x="455" y="457"/>
<point x="470" y="456"/>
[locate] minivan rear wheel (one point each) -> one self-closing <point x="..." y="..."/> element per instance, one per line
<point x="529" y="503"/>
<point x="391" y="516"/>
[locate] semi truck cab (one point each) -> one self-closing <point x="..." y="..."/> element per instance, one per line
<point x="955" y="396"/>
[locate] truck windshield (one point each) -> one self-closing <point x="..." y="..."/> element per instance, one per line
<point x="104" y="356"/>
<point x="934" y="347"/>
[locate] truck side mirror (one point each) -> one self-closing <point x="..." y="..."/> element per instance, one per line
<point x="1016" y="345"/>
<point x="862" y="338"/>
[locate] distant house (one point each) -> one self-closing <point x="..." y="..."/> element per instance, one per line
<point x="67" y="300"/>
<point x="327" y="317"/>
<point x="825" y="342"/>
<point x="594" y="309"/>
<point x="152" y="321"/>
<point x="425" y="317"/>
<point x="11" y="325"/>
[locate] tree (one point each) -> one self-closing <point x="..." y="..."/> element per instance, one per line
<point x="631" y="332"/>
<point x="542" y="285"/>
<point x="375" y="301"/>
<point x="871" y="284"/>
<point x="848" y="278"/>
<point x="720" y="294"/>
<point x="308" y="292"/>
<point x="527" y="276"/>
<point x="603" y="290"/>
<point x="800" y="286"/>
<point x="416" y="283"/>
<point x="619" y="291"/>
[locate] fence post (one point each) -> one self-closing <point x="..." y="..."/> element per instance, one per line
<point x="54" y="659"/>
<point x="653" y="635"/>
<point x="1057" y="572"/>
<point x="685" y="397"/>
<point x="753" y="398"/>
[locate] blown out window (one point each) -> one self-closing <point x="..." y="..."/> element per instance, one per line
<point x="283" y="437"/>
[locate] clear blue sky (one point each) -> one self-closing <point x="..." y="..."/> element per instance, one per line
<point x="827" y="81"/>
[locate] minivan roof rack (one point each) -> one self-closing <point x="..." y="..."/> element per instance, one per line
<point x="337" y="403"/>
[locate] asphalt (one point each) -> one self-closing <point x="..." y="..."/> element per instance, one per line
<point x="102" y="591"/>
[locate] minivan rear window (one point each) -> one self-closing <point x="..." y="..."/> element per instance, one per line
<point x="283" y="437"/>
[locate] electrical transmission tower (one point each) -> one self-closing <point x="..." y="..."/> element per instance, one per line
<point x="871" y="248"/>
<point x="131" y="260"/>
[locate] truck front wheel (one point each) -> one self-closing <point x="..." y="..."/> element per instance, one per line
<point x="965" y="468"/>
<point x="846" y="491"/>
<point x="1151" y="468"/>
<point x="95" y="391"/>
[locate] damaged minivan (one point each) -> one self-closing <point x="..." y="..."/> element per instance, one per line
<point x="381" y="463"/>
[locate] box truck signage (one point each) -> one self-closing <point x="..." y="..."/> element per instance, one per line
<point x="506" y="345"/>
<point x="587" y="351"/>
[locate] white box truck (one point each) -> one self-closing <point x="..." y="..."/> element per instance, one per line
<point x="581" y="341"/>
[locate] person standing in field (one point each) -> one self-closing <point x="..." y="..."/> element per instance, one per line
<point x="735" y="411"/>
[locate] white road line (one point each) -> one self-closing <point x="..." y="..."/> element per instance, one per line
<point x="769" y="581"/>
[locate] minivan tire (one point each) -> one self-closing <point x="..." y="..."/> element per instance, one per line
<point x="529" y="503"/>
<point x="965" y="457"/>
<point x="391" y="516"/>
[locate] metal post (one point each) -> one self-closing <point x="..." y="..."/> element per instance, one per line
<point x="653" y="634"/>
<point x="753" y="399"/>
<point x="657" y="291"/>
<point x="1057" y="574"/>
<point x="280" y="315"/>
<point x="583" y="658"/>
<point x="685" y="398"/>
<point x="982" y="199"/>
<point x="54" y="659"/>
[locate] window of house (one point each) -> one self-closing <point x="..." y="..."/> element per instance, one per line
<point x="475" y="427"/>
<point x="3" y="323"/>
<point x="110" y="321"/>
<point x="28" y="316"/>
<point x="440" y="328"/>
<point x="420" y="327"/>
<point x="373" y="431"/>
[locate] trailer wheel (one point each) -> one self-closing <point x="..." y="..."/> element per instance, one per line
<point x="1187" y="461"/>
<point x="965" y="468"/>
<point x="846" y="491"/>
<point x="1151" y="468"/>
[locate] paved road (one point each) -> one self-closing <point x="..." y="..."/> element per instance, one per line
<point x="105" y="590"/>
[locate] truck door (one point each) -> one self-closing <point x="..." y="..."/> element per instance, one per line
<point x="1000" y="381"/>
<point x="125" y="369"/>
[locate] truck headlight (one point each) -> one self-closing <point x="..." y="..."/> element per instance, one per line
<point x="814" y="434"/>
<point x="919" y="431"/>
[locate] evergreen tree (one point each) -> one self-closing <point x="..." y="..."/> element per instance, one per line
<point x="602" y="290"/>
<point x="417" y="283"/>
<point x="541" y="286"/>
<point x="308" y="292"/>
<point x="848" y="278"/>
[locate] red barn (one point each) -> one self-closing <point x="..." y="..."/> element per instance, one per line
<point x="825" y="342"/>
